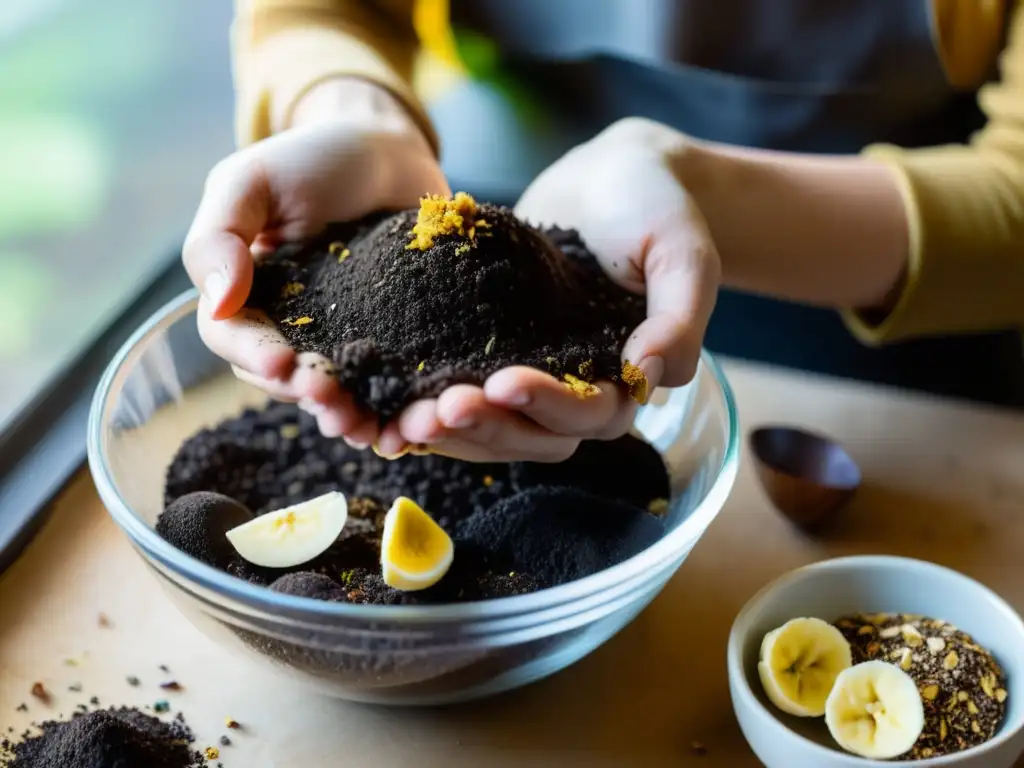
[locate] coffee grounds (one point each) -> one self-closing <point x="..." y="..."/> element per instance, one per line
<point x="402" y="323"/>
<point x="309" y="584"/>
<point x="597" y="468"/>
<point x="269" y="458"/>
<point x="110" y="738"/>
<point x="559" y="534"/>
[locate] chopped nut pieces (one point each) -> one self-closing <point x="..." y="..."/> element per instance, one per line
<point x="171" y="685"/>
<point x="961" y="684"/>
<point x="232" y="723"/>
<point x="103" y="620"/>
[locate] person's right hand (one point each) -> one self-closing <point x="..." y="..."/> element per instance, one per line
<point x="289" y="187"/>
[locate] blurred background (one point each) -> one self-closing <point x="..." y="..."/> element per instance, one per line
<point x="111" y="113"/>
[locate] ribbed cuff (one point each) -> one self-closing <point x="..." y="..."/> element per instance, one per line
<point x="964" y="269"/>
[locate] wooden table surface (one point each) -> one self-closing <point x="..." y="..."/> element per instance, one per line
<point x="943" y="482"/>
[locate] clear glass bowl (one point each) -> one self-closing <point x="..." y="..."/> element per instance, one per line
<point x="163" y="385"/>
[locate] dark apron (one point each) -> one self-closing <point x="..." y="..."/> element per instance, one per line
<point x="797" y="75"/>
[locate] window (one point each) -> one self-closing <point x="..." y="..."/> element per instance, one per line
<point x="111" y="113"/>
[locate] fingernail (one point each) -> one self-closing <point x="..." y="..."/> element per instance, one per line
<point x="653" y="369"/>
<point x="464" y="423"/>
<point x="355" y="444"/>
<point x="215" y="288"/>
<point x="390" y="456"/>
<point x="518" y="399"/>
<point x="329" y="428"/>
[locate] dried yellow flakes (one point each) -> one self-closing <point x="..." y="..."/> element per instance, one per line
<point x="488" y="481"/>
<point x="336" y="249"/>
<point x="636" y="381"/>
<point x="212" y="753"/>
<point x="463" y="249"/>
<point x="422" y="365"/>
<point x="289" y="290"/>
<point x="658" y="507"/>
<point x="344" y="255"/>
<point x="586" y="369"/>
<point x="582" y="389"/>
<point x="305" y="320"/>
<point x="439" y="216"/>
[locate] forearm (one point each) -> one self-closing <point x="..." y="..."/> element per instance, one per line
<point x="830" y="231"/>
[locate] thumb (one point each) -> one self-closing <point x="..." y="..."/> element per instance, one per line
<point x="681" y="276"/>
<point x="234" y="209"/>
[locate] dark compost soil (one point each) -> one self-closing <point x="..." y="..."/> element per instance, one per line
<point x="402" y="319"/>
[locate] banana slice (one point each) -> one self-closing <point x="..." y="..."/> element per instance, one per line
<point x="415" y="551"/>
<point x="875" y="710"/>
<point x="799" y="663"/>
<point x="293" y="535"/>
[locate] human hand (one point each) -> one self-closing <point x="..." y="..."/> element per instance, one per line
<point x="288" y="187"/>
<point x="622" y="191"/>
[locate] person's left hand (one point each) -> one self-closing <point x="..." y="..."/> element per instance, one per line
<point x="621" y="191"/>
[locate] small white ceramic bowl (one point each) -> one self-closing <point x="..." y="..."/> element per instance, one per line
<point x="833" y="588"/>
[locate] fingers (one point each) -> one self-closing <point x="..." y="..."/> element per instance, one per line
<point x="462" y="424"/>
<point x="234" y="209"/>
<point x="603" y="412"/>
<point x="248" y="340"/>
<point x="681" y="273"/>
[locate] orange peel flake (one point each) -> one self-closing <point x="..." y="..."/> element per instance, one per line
<point x="439" y="215"/>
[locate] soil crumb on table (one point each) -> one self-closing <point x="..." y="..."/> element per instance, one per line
<point x="106" y="738"/>
<point x="517" y="527"/>
<point x="408" y="304"/>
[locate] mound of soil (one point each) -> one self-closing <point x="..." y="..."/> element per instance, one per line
<point x="105" y="738"/>
<point x="409" y="304"/>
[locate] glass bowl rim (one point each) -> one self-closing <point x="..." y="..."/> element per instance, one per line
<point x="319" y="612"/>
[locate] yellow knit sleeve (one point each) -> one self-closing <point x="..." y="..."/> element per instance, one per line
<point x="280" y="49"/>
<point x="965" y="208"/>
